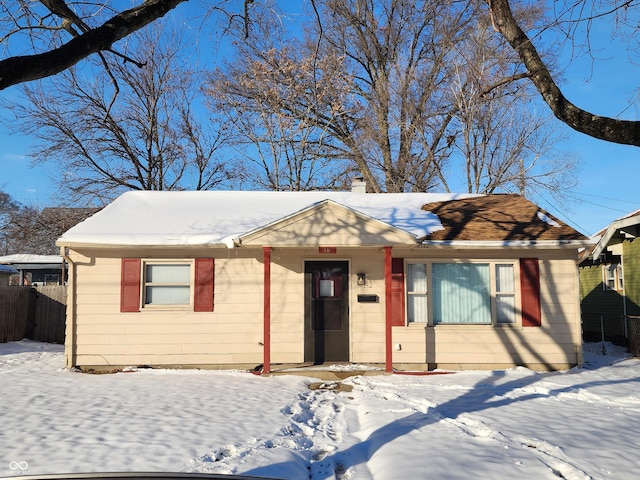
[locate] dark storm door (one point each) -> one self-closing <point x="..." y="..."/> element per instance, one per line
<point x="326" y="311"/>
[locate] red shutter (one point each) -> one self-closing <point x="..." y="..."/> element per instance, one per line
<point x="397" y="292"/>
<point x="530" y="292"/>
<point x="130" y="285"/>
<point x="203" y="292"/>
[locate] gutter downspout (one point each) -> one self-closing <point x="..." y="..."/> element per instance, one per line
<point x="70" y="332"/>
<point x="266" y="364"/>
<point x="624" y="296"/>
<point x="578" y="334"/>
<point x="388" y="367"/>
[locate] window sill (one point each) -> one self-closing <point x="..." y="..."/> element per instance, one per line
<point x="446" y="326"/>
<point x="163" y="308"/>
<point x="470" y="326"/>
<point x="475" y="326"/>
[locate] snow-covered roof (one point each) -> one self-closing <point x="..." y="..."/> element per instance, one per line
<point x="7" y="269"/>
<point x="27" y="258"/>
<point x="219" y="217"/>
<point x="547" y="219"/>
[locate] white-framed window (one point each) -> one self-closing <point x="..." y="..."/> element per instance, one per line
<point x="461" y="293"/>
<point x="417" y="300"/>
<point x="505" y="293"/>
<point x="167" y="283"/>
<point x="613" y="278"/>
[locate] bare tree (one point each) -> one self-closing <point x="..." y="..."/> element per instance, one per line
<point x="537" y="70"/>
<point x="287" y="153"/>
<point x="504" y="143"/>
<point x="18" y="234"/>
<point x="7" y="207"/>
<point x="360" y="79"/>
<point x="7" y="204"/>
<point x="32" y="230"/>
<point x="148" y="137"/>
<point x="287" y="144"/>
<point x="386" y="89"/>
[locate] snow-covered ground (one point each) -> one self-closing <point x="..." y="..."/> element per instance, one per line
<point x="583" y="423"/>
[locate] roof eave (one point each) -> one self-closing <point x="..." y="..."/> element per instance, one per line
<point x="113" y="246"/>
<point x="486" y="244"/>
<point x="611" y="230"/>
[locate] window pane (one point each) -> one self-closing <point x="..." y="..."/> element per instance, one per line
<point x="612" y="277"/>
<point x="168" y="274"/>
<point x="417" y="308"/>
<point x="504" y="278"/>
<point x="167" y="295"/>
<point x="506" y="308"/>
<point x="619" y="275"/>
<point x="417" y="277"/>
<point x="461" y="293"/>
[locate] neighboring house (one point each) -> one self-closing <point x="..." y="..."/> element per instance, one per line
<point x="610" y="281"/>
<point x="5" y="273"/>
<point x="238" y="279"/>
<point x="36" y="269"/>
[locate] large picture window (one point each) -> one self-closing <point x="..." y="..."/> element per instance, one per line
<point x="461" y="293"/>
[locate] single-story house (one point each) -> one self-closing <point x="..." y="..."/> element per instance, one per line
<point x="5" y="272"/>
<point x="239" y="279"/>
<point x="36" y="269"/>
<point x="610" y="281"/>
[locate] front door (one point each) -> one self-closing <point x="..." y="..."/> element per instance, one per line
<point x="326" y="307"/>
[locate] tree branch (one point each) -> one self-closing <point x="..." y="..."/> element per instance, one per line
<point x="625" y="132"/>
<point x="504" y="81"/>
<point x="15" y="70"/>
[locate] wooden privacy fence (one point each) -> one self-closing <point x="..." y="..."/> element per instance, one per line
<point x="37" y="313"/>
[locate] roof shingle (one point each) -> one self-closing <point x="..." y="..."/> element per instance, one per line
<point x="497" y="217"/>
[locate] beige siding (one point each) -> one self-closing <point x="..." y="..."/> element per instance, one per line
<point x="230" y="335"/>
<point x="233" y="333"/>
<point x="556" y="344"/>
<point x="367" y="319"/>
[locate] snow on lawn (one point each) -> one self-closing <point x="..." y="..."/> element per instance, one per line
<point x="578" y="424"/>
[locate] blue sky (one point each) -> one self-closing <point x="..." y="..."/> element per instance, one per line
<point x="608" y="175"/>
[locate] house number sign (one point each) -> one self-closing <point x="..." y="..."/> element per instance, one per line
<point x="328" y="250"/>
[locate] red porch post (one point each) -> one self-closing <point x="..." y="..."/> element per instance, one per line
<point x="266" y="367"/>
<point x="388" y="310"/>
